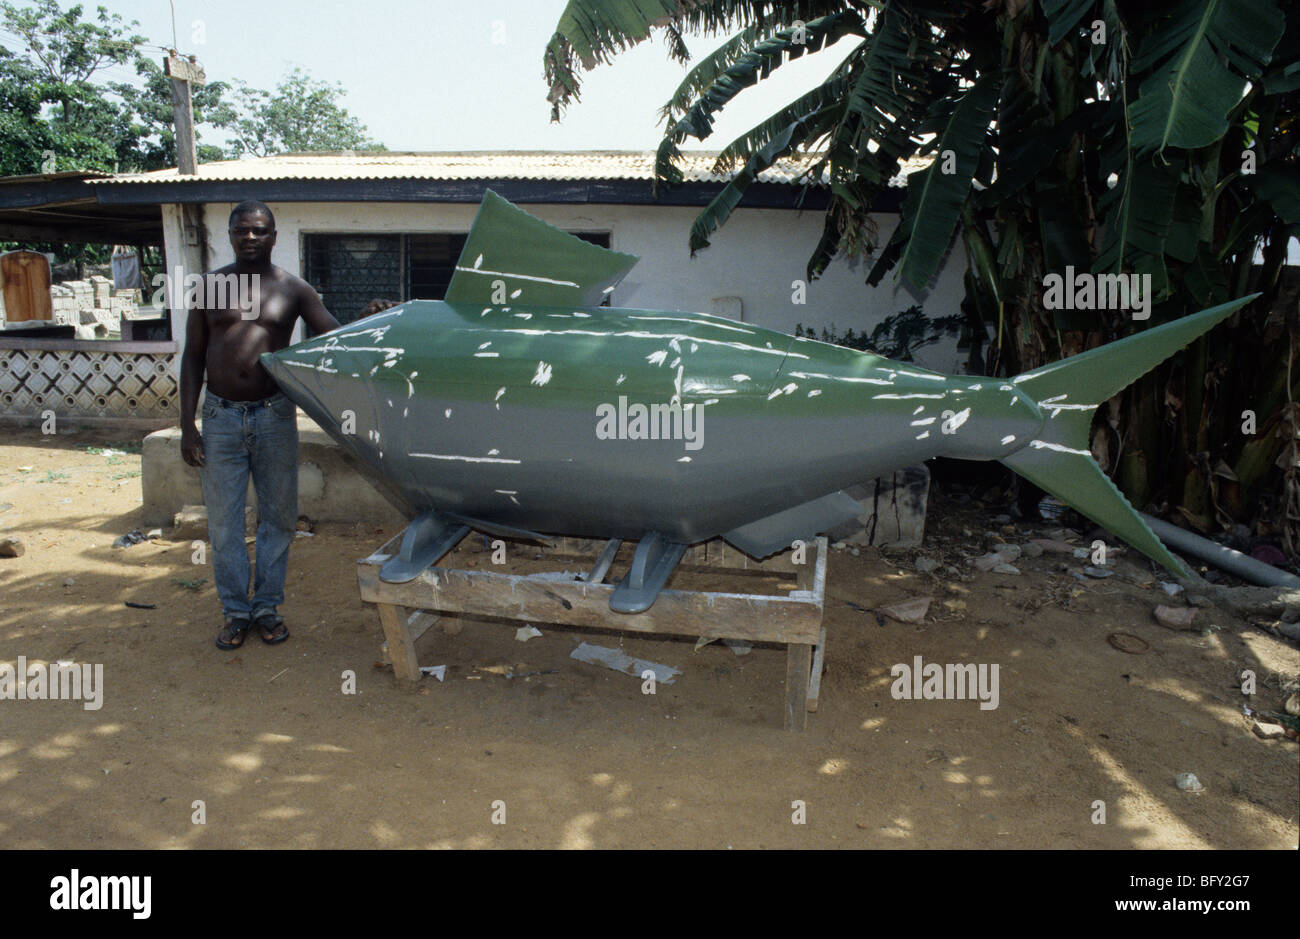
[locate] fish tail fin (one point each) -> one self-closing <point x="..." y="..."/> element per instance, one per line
<point x="1068" y="392"/>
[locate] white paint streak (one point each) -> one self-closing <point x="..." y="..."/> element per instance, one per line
<point x="1043" y="444"/>
<point x="850" y="379"/>
<point x="462" y="459"/>
<point x="317" y="368"/>
<point x="922" y="375"/>
<point x="693" y="322"/>
<point x="542" y="280"/>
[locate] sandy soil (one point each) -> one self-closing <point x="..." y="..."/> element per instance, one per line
<point x="280" y="757"/>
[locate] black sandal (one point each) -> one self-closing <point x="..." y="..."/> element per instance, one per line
<point x="232" y="634"/>
<point x="272" y="628"/>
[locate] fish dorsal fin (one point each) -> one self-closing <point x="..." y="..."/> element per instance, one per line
<point x="511" y="257"/>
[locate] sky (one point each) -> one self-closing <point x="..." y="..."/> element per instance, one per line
<point x="439" y="75"/>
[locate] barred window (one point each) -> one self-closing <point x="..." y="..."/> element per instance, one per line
<point x="350" y="269"/>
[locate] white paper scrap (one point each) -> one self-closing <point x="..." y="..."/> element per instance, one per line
<point x="621" y="662"/>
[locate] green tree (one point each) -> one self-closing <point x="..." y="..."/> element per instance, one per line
<point x="152" y="140"/>
<point x="302" y="114"/>
<point x="1114" y="137"/>
<point x="54" y="116"/>
<point x="54" y="113"/>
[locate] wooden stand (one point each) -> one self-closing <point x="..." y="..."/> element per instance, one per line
<point x="408" y="610"/>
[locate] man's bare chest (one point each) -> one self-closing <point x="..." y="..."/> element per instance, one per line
<point x="234" y="299"/>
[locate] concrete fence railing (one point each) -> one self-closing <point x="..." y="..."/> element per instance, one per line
<point x="89" y="381"/>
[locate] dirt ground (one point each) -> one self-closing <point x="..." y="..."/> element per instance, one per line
<point x="280" y="757"/>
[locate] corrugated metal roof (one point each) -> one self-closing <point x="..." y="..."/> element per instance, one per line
<point x="66" y="175"/>
<point x="697" y="166"/>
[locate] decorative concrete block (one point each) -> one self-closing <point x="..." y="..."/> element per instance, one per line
<point x="82" y="292"/>
<point x="102" y="287"/>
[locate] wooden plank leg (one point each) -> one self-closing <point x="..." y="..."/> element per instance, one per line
<point x="401" y="647"/>
<point x="815" y="682"/>
<point x="420" y="622"/>
<point x="798" y="665"/>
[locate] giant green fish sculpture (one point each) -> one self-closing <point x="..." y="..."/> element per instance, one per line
<point x="521" y="407"/>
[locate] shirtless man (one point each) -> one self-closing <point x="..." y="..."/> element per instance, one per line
<point x="249" y="426"/>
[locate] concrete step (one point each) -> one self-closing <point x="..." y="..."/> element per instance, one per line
<point x="329" y="488"/>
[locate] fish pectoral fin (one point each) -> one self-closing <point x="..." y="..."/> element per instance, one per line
<point x="652" y="564"/>
<point x="425" y="540"/>
<point x="777" y="532"/>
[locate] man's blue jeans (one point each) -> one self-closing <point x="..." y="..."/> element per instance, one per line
<point x="239" y="438"/>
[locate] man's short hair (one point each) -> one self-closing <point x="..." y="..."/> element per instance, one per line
<point x="251" y="205"/>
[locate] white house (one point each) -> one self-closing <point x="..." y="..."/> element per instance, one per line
<point x="361" y="226"/>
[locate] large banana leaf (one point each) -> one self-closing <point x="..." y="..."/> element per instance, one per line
<point x="1279" y="186"/>
<point x="725" y="202"/>
<point x="751" y="66"/>
<point x="748" y="57"/>
<point x="1063" y="16"/>
<point x="935" y="196"/>
<point x="592" y="32"/>
<point x="1197" y="63"/>
<point x="1136" y="211"/>
<point x="829" y="94"/>
<point x="707" y="70"/>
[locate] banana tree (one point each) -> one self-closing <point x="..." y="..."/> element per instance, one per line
<point x="1114" y="138"/>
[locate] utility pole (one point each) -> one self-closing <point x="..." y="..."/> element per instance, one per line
<point x="184" y="71"/>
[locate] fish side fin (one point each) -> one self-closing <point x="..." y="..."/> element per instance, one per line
<point x="425" y="540"/>
<point x="766" y="536"/>
<point x="652" y="565"/>
<point x="1068" y="392"/>
<point x="511" y="257"/>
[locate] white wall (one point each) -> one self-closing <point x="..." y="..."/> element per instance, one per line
<point x="173" y="287"/>
<point x="755" y="256"/>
